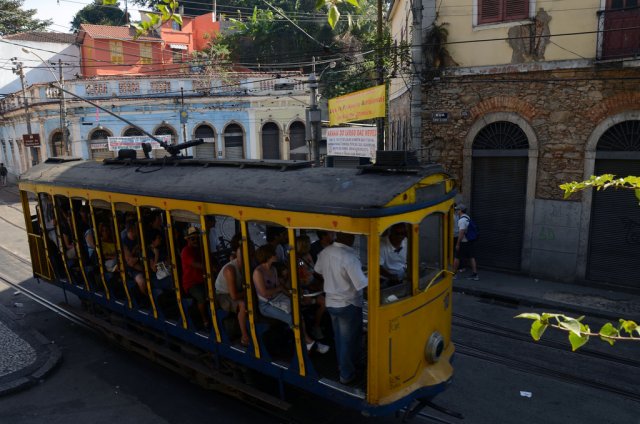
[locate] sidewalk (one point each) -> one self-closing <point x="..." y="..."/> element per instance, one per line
<point x="26" y="357"/>
<point x="573" y="299"/>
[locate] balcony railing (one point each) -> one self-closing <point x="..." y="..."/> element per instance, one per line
<point x="619" y="33"/>
<point x="235" y="84"/>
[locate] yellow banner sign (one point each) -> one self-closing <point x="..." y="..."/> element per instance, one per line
<point x="358" y="106"/>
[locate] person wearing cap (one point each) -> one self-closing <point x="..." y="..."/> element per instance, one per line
<point x="193" y="272"/>
<point x="463" y="247"/>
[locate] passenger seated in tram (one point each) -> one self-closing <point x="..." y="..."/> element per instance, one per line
<point x="66" y="233"/>
<point x="230" y="294"/>
<point x="159" y="264"/>
<point x="132" y="257"/>
<point x="273" y="301"/>
<point x="310" y="283"/>
<point x="108" y="248"/>
<point x="393" y="255"/>
<point x="193" y="273"/>
<point x="277" y="237"/>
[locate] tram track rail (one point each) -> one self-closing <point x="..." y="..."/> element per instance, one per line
<point x="501" y="331"/>
<point x="536" y="369"/>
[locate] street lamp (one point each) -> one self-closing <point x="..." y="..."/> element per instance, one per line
<point x="63" y="104"/>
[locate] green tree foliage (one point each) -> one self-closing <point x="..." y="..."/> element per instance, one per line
<point x="99" y="14"/>
<point x="13" y="19"/>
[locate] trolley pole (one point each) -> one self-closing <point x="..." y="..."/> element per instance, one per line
<point x="63" y="113"/>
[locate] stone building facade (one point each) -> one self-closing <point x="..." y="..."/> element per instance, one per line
<point x="563" y="114"/>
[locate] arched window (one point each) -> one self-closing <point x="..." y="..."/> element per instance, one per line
<point x="270" y="141"/>
<point x="99" y="145"/>
<point x="501" y="135"/>
<point x="206" y="150"/>
<point x="132" y="132"/>
<point x="166" y="130"/>
<point x="57" y="148"/>
<point x="234" y="142"/>
<point x="298" y="149"/>
<point x="624" y="136"/>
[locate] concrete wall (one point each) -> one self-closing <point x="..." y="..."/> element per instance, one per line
<point x="555" y="241"/>
<point x="510" y="41"/>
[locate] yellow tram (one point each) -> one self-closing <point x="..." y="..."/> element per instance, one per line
<point x="407" y="323"/>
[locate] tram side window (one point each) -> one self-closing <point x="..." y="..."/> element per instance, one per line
<point x="86" y="241"/>
<point x="49" y="224"/>
<point x="159" y="261"/>
<point x="105" y="238"/>
<point x="67" y="239"/>
<point x="129" y="234"/>
<point x="431" y="242"/>
<point x="187" y="236"/>
<point x="395" y="262"/>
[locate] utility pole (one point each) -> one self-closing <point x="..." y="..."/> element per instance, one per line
<point x="63" y="113"/>
<point x="380" y="121"/>
<point x="314" y="118"/>
<point x="20" y="72"/>
<point x="182" y="119"/>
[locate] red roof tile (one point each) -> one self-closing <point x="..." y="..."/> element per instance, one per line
<point x="115" y="32"/>
<point x="43" y="37"/>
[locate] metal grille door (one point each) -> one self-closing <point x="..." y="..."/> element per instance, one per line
<point x="614" y="236"/>
<point x="270" y="141"/>
<point x="498" y="208"/>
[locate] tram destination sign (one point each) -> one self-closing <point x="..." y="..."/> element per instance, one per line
<point x="31" y="140"/>
<point x="352" y="141"/>
<point x="135" y="143"/>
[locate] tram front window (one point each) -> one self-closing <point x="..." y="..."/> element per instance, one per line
<point x="396" y="249"/>
<point x="431" y="257"/>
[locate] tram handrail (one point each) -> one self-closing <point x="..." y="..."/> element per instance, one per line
<point x="435" y="277"/>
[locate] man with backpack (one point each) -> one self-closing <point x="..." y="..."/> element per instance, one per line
<point x="3" y="174"/>
<point x="464" y="247"/>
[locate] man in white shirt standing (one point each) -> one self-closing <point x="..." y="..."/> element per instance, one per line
<point x="344" y="282"/>
<point x="393" y="253"/>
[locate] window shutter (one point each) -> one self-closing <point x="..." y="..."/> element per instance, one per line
<point x="516" y="9"/>
<point x="489" y="11"/>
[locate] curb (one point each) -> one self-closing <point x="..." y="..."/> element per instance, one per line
<point x="48" y="356"/>
<point x="534" y="302"/>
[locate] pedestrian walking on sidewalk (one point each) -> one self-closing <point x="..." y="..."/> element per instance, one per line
<point x="3" y="174"/>
<point x="464" y="248"/>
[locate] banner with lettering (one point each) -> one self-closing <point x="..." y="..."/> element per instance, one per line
<point x="352" y="141"/>
<point x="358" y="106"/>
<point x="135" y="143"/>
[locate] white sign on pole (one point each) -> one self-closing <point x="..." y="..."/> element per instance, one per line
<point x="135" y="143"/>
<point x="352" y="141"/>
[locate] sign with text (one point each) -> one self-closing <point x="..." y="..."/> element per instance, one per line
<point x="440" y="117"/>
<point x="358" y="142"/>
<point x="135" y="143"/>
<point x="31" y="140"/>
<point x="358" y="106"/>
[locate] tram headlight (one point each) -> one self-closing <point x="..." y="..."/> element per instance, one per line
<point x="434" y="348"/>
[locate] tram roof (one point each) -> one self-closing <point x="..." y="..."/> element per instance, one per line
<point x="335" y="191"/>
